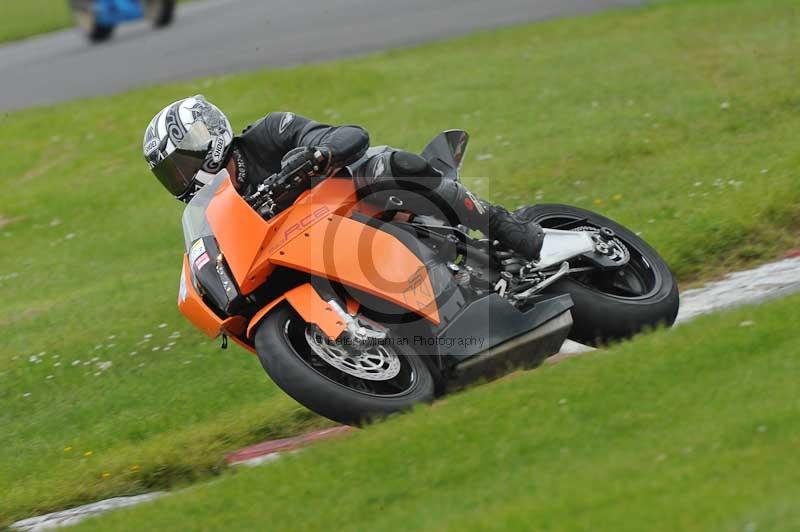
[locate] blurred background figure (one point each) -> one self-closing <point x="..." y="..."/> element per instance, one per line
<point x="98" y="18"/>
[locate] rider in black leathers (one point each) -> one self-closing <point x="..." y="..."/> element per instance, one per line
<point x="191" y="138"/>
<point x="260" y="150"/>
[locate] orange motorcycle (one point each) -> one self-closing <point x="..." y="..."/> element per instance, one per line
<point x="358" y="310"/>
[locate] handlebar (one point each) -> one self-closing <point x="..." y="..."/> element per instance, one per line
<point x="299" y="166"/>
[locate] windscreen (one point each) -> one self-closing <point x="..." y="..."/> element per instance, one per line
<point x="195" y="223"/>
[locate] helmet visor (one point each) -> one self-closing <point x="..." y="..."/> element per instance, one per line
<point x="177" y="170"/>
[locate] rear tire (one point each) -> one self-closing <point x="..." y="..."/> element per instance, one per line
<point x="600" y="316"/>
<point x="289" y="361"/>
<point x="160" y="12"/>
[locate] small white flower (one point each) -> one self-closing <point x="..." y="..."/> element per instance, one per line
<point x="724" y="105"/>
<point x="148" y="336"/>
<point x="484" y="157"/>
<point x="764" y="170"/>
<point x="49" y="377"/>
<point x="102" y="366"/>
<point x="56" y="364"/>
<point x="76" y="362"/>
<point x="156" y="348"/>
<point x="162" y="326"/>
<point x="762" y="428"/>
<point x="69" y="236"/>
<point x="747" y="323"/>
<point x="26" y="394"/>
<point x="111" y="337"/>
<point x="133" y="353"/>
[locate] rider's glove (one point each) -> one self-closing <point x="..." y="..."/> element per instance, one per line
<point x="309" y="161"/>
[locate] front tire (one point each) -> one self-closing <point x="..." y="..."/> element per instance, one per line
<point x="618" y="304"/>
<point x="284" y="346"/>
<point x="83" y="12"/>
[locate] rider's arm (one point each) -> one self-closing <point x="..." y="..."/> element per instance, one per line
<point x="279" y="133"/>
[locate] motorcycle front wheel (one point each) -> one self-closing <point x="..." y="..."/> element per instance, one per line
<point x="335" y="379"/>
<point x="615" y="304"/>
<point x="85" y="18"/>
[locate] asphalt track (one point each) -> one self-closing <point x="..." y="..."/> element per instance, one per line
<point x="222" y="36"/>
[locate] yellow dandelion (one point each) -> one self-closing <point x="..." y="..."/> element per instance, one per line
<point x="106" y="474"/>
<point x="88" y="454"/>
<point x="617" y="197"/>
<point x="67" y="449"/>
<point x="598" y="201"/>
<point x="135" y="468"/>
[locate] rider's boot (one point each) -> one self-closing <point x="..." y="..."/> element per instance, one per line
<point x="511" y="230"/>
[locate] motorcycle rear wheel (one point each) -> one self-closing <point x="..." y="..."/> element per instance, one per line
<point x="617" y="304"/>
<point x="160" y="13"/>
<point x="284" y="343"/>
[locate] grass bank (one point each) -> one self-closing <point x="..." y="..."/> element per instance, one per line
<point x="679" y="120"/>
<point x="32" y="17"/>
<point x="679" y="430"/>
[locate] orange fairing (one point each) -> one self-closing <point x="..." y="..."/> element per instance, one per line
<point x="192" y="306"/>
<point x="240" y="232"/>
<point x="315" y="236"/>
<point x="311" y="307"/>
<point x="360" y="256"/>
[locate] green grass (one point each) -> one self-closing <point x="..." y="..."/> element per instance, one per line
<point x="679" y="430"/>
<point x="32" y="17"/>
<point x="621" y="112"/>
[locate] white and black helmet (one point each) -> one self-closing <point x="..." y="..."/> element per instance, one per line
<point x="187" y="137"/>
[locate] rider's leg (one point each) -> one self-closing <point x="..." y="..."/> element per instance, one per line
<point x="411" y="179"/>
